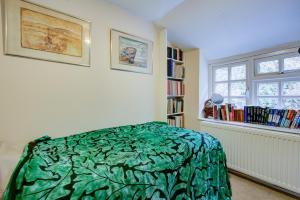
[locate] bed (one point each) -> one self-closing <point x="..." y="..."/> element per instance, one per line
<point x="145" y="161"/>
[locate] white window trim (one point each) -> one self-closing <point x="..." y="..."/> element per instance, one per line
<point x="280" y="96"/>
<point x="283" y="51"/>
<point x="229" y="81"/>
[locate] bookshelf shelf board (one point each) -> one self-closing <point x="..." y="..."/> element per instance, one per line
<point x="179" y="96"/>
<point x="180" y="113"/>
<point x="176" y="61"/>
<point x="257" y="126"/>
<point x="176" y="79"/>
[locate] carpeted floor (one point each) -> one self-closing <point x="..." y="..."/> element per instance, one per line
<point x="244" y="189"/>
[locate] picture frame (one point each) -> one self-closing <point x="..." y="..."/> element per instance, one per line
<point x="38" y="32"/>
<point x="131" y="53"/>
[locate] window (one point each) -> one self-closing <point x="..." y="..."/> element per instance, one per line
<point x="280" y="64"/>
<point x="270" y="79"/>
<point x="270" y="66"/>
<point x="279" y="94"/>
<point x="268" y="94"/>
<point x="291" y="94"/>
<point x="291" y="63"/>
<point x="230" y="82"/>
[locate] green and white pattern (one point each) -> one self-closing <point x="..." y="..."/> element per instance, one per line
<point x="146" y="161"/>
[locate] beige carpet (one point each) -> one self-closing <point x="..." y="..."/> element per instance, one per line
<point x="243" y="189"/>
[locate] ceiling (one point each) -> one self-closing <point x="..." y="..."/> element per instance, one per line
<point x="222" y="28"/>
<point x="151" y="10"/>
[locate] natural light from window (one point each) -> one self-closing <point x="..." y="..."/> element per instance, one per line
<point x="270" y="80"/>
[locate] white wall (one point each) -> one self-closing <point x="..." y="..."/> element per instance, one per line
<point x="45" y="98"/>
<point x="191" y="81"/>
<point x="196" y="79"/>
<point x="203" y="82"/>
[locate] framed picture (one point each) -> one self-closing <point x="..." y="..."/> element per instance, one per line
<point x="34" y="31"/>
<point x="130" y="53"/>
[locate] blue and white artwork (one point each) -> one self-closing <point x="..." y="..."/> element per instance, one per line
<point x="133" y="52"/>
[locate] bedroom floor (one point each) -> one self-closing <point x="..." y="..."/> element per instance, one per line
<point x="244" y="189"/>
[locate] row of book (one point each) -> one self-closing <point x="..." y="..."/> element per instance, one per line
<point x="175" y="53"/>
<point x="272" y="117"/>
<point x="175" y="88"/>
<point x="175" y="71"/>
<point x="175" y="106"/>
<point x="228" y="112"/>
<point x="176" y="121"/>
<point x="258" y="115"/>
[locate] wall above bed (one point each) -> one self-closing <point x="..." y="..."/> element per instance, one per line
<point x="46" y="98"/>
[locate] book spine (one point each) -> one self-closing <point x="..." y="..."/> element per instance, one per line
<point x="227" y="112"/>
<point x="295" y="120"/>
<point x="245" y="114"/>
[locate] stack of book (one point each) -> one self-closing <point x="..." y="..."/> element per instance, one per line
<point x="176" y="121"/>
<point x="175" y="71"/>
<point x="175" y="88"/>
<point x="175" y="106"/>
<point x="228" y="112"/>
<point x="272" y="117"/>
<point x="175" y="53"/>
<point x="258" y="115"/>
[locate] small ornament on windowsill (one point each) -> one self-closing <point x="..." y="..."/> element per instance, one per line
<point x="215" y="99"/>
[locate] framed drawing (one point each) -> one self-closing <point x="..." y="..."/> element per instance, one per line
<point x="34" y="31"/>
<point x="130" y="53"/>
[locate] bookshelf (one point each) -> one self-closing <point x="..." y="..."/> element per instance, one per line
<point x="175" y="98"/>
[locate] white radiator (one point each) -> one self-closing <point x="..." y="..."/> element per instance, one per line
<point x="271" y="156"/>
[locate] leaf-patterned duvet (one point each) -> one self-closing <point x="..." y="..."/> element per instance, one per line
<point x="146" y="161"/>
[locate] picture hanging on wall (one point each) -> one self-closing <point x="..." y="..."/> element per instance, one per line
<point x="130" y="53"/>
<point x="34" y="31"/>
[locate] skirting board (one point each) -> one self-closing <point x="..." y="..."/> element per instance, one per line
<point x="264" y="183"/>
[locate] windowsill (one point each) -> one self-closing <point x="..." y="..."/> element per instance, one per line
<point x="255" y="126"/>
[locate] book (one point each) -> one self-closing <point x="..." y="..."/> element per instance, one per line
<point x="245" y="114"/>
<point x="169" y="52"/>
<point x="176" y="121"/>
<point x="175" y="53"/>
<point x="295" y="119"/>
<point x="227" y="108"/>
<point x="223" y="112"/>
<point x="175" y="88"/>
<point x="180" y="55"/>
<point x="174" y="106"/>
<point x="259" y="115"/>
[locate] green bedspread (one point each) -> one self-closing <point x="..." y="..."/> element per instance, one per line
<point x="146" y="161"/>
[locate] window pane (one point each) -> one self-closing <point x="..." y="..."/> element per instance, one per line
<point x="221" y="74"/>
<point x="268" y="102"/>
<point x="222" y="89"/>
<point x="239" y="102"/>
<point x="268" y="67"/>
<point x="225" y="101"/>
<point x="291" y="103"/>
<point x="268" y="89"/>
<point x="291" y="88"/>
<point x="238" y="88"/>
<point x="292" y="63"/>
<point x="238" y="72"/>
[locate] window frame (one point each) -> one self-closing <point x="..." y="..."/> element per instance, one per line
<point x="279" y="55"/>
<point x="290" y="55"/>
<point x="256" y="83"/>
<point x="266" y="59"/>
<point x="280" y="95"/>
<point x="229" y="81"/>
<point x="280" y="52"/>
